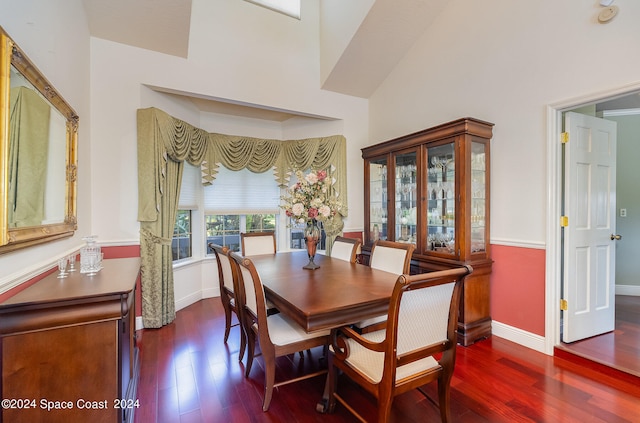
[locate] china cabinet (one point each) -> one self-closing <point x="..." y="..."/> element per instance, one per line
<point x="431" y="188"/>
<point x="69" y="350"/>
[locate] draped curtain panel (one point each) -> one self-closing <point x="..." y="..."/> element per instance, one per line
<point x="165" y="142"/>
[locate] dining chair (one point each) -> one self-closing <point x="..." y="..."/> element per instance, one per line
<point x="392" y="257"/>
<point x="226" y="277"/>
<point x="277" y="334"/>
<point x="417" y="347"/>
<point x="256" y="243"/>
<point x="346" y="248"/>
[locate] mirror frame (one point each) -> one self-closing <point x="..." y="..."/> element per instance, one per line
<point x="16" y="238"/>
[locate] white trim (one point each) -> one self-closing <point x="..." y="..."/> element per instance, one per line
<point x="519" y="336"/>
<point x="117" y="243"/>
<point x="633" y="290"/>
<point x="552" y="261"/>
<point x="621" y="112"/>
<point x="192" y="298"/>
<point x="520" y="244"/>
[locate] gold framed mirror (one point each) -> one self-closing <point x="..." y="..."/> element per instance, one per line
<point x="38" y="154"/>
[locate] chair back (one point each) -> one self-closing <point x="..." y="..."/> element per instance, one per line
<point x="256" y="243"/>
<point x="346" y="248"/>
<point x="250" y="292"/>
<point x="225" y="275"/>
<point x="392" y="257"/>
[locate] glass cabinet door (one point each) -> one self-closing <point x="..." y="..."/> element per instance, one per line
<point x="478" y="203"/>
<point x="406" y="201"/>
<point x="441" y="210"/>
<point x="377" y="200"/>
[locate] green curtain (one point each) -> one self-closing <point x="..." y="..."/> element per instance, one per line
<point x="28" y="151"/>
<point x="165" y="142"/>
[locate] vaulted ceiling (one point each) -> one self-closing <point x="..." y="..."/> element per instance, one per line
<point x="381" y="39"/>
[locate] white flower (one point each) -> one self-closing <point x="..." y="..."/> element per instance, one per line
<point x="297" y="209"/>
<point x="325" y="211"/>
<point x="312" y="178"/>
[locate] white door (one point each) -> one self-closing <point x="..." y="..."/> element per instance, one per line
<point x="590" y="205"/>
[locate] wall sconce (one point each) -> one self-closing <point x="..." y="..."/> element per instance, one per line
<point x="609" y="11"/>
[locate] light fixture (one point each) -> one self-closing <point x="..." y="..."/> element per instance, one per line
<point x="607" y="13"/>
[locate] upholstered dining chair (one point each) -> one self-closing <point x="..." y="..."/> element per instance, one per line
<point x="392" y="257"/>
<point x="346" y="248"/>
<point x="417" y="347"/>
<point x="256" y="243"/>
<point x="277" y="334"/>
<point x="226" y="275"/>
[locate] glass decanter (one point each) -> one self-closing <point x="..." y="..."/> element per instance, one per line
<point x="90" y="256"/>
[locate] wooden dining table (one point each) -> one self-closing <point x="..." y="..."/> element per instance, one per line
<point x="336" y="294"/>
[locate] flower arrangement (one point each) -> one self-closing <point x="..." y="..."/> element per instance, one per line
<point x="311" y="198"/>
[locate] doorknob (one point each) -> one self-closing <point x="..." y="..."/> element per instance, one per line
<point x="616" y="237"/>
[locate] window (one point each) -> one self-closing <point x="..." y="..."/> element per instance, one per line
<point x="226" y="229"/>
<point x="240" y="201"/>
<point x="287" y="7"/>
<point x="182" y="242"/>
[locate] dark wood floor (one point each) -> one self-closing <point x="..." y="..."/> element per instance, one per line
<point x="619" y="349"/>
<point x="189" y="375"/>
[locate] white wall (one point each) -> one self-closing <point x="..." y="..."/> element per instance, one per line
<point x="55" y="36"/>
<point x="238" y="52"/>
<point x="504" y="62"/>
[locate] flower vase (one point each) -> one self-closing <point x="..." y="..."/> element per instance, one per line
<point x="312" y="238"/>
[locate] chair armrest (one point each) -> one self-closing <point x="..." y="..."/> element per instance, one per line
<point x="341" y="347"/>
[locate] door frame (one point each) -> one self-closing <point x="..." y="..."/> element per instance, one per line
<point x="553" y="259"/>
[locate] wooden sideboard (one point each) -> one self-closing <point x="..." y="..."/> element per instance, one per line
<point x="68" y="348"/>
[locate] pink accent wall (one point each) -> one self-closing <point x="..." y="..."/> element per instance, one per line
<point x="123" y="251"/>
<point x="518" y="287"/>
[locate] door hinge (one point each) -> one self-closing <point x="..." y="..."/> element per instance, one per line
<point x="564" y="137"/>
<point x="564" y="305"/>
<point x="564" y="221"/>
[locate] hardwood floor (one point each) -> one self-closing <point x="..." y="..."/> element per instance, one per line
<point x="189" y="375"/>
<point x="619" y="349"/>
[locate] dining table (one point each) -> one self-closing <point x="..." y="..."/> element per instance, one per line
<point x="336" y="294"/>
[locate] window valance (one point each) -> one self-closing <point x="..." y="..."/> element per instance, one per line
<point x="162" y="137"/>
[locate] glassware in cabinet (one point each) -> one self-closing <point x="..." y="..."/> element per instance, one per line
<point x="441" y="209"/>
<point x="378" y="214"/>
<point x="478" y="200"/>
<point x="406" y="197"/>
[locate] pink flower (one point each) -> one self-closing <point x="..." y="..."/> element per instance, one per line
<point x="322" y="174"/>
<point x="313" y="213"/>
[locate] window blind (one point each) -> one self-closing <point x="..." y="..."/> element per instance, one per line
<point x="242" y="192"/>
<point x="189" y="187"/>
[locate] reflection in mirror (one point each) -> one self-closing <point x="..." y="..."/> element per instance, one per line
<point x="38" y="136"/>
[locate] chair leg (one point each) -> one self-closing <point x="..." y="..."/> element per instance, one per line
<point x="227" y="322"/>
<point x="269" y="379"/>
<point x="384" y="409"/>
<point x="251" y="349"/>
<point x="243" y="342"/>
<point x="444" y="397"/>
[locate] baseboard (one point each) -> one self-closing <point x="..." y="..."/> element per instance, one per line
<point x="519" y="336"/>
<point x="633" y="290"/>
